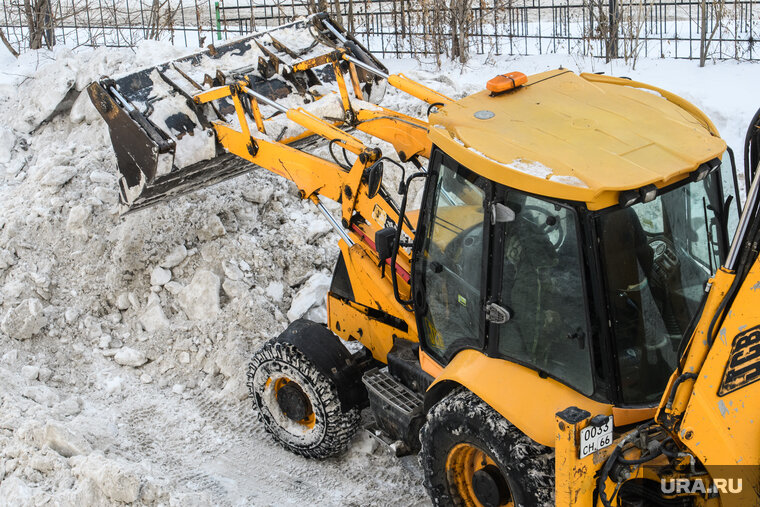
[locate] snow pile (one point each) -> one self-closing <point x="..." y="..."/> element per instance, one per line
<point x="124" y="341"/>
<point x="25" y="320"/>
<point x="305" y="303"/>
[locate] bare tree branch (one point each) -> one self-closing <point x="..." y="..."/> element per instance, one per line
<point x="718" y="8"/>
<point x="8" y="44"/>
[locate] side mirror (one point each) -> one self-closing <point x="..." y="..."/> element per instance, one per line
<point x="374" y="178"/>
<point x="501" y="214"/>
<point x="384" y="243"/>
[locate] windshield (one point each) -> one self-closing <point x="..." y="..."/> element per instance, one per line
<point x="657" y="257"/>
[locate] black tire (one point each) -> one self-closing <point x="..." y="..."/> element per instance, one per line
<point x="327" y="431"/>
<point x="523" y="469"/>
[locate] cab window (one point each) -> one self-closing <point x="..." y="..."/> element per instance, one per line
<point x="542" y="289"/>
<point x="655" y="279"/>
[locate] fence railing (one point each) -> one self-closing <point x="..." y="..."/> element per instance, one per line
<point x="454" y="28"/>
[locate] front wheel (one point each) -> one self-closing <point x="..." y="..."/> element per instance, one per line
<point x="298" y="405"/>
<point x="474" y="457"/>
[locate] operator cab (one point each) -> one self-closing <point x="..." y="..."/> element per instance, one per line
<point x="559" y="237"/>
<point x="598" y="300"/>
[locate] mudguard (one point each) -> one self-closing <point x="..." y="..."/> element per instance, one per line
<point x="331" y="358"/>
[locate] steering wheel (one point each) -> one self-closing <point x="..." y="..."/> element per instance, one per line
<point x="550" y="226"/>
<point x="460" y="249"/>
<point x="665" y="262"/>
<point x="452" y="283"/>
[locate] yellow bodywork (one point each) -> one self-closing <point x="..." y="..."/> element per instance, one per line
<point x="719" y="410"/>
<point x="606" y="135"/>
<point x="516" y="392"/>
<point x="724" y="416"/>
<point x="351" y="321"/>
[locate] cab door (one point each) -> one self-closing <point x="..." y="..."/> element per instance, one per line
<point x="451" y="262"/>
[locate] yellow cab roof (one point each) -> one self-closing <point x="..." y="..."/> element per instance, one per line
<point x="577" y="137"/>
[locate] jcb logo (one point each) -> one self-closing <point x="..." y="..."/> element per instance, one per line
<point x="744" y="364"/>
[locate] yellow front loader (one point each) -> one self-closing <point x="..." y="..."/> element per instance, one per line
<point x="559" y="320"/>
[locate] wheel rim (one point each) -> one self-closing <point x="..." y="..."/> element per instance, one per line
<point x="278" y="385"/>
<point x="472" y="476"/>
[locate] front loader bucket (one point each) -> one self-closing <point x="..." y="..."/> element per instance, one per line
<point x="164" y="141"/>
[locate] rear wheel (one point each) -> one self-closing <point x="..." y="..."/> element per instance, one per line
<point x="298" y="405"/>
<point x="474" y="457"/>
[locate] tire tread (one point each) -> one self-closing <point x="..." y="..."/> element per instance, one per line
<point x="461" y="415"/>
<point x="340" y="427"/>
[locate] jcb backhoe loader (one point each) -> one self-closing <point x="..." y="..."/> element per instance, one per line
<point x="561" y="320"/>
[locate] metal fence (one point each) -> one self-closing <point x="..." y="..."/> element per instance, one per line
<point x="456" y="28"/>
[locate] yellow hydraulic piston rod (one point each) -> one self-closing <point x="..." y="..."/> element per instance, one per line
<point x="405" y="84"/>
<point x="399" y="81"/>
<point x="312" y="123"/>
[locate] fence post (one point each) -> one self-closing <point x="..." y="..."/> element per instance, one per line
<point x="612" y="30"/>
<point x="218" y="22"/>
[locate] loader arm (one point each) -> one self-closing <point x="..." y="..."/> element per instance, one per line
<point x="175" y="132"/>
<point x="316" y="177"/>
<point x="362" y="214"/>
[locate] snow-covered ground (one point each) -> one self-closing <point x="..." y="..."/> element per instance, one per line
<point x="123" y="341"/>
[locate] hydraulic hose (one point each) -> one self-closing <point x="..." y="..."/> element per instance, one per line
<point x="615" y="457"/>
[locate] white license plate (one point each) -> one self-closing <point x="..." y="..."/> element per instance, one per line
<point x="594" y="438"/>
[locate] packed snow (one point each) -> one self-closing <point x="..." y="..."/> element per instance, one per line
<point x="124" y="341"/>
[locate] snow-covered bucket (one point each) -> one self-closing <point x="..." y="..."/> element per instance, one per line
<point x="164" y="141"/>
